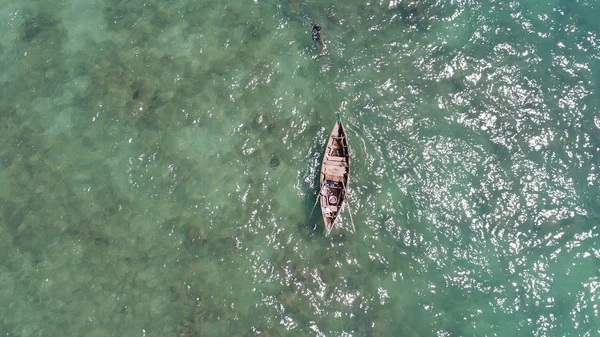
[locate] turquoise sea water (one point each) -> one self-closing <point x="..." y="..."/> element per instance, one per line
<point x="159" y="161"/>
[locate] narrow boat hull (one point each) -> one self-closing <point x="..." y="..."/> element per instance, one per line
<point x="335" y="174"/>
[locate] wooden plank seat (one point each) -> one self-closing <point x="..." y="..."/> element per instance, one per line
<point x="337" y="164"/>
<point x="335" y="178"/>
<point x="337" y="175"/>
<point x="335" y="172"/>
<point x="335" y="167"/>
<point x="335" y="158"/>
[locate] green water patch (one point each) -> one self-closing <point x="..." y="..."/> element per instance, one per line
<point x="159" y="161"/>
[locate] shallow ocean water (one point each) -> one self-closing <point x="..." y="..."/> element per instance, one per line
<point x="159" y="161"/>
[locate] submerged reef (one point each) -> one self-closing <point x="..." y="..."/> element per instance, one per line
<point x="274" y="162"/>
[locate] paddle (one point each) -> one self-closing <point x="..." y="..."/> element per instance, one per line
<point x="315" y="205"/>
<point x="349" y="211"/>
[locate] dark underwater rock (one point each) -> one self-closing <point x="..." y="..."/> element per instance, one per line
<point x="31" y="31"/>
<point x="136" y="94"/>
<point x="275" y="162"/>
<point x="38" y="25"/>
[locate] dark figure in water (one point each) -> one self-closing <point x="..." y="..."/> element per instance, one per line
<point x="316" y="35"/>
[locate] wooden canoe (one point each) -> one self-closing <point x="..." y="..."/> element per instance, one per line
<point x="335" y="173"/>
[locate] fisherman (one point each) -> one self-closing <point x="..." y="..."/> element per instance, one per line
<point x="316" y="35"/>
<point x="324" y="191"/>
